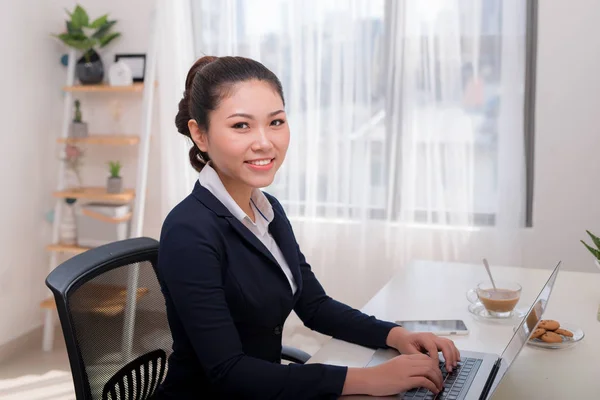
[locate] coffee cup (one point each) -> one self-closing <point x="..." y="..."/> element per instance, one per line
<point x="499" y="302"/>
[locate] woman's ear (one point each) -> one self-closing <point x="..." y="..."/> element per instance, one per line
<point x="198" y="135"/>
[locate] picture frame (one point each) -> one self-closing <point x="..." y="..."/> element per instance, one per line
<point x="137" y="63"/>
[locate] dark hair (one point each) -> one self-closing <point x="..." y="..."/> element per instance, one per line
<point x="210" y="80"/>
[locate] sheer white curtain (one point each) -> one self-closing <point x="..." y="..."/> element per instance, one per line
<point x="457" y="160"/>
<point x="406" y="118"/>
<point x="326" y="53"/>
<point x="176" y="56"/>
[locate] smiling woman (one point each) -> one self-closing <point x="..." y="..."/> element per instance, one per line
<point x="231" y="270"/>
<point x="245" y="137"/>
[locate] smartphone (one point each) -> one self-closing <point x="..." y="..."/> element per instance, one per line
<point x="441" y="327"/>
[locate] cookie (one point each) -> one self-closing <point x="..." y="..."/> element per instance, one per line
<point x="551" y="337"/>
<point x="564" y="332"/>
<point x="549" y="324"/>
<point x="537" y="333"/>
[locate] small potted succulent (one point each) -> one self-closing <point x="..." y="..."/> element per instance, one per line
<point x="79" y="128"/>
<point x="595" y="249"/>
<point x="115" y="182"/>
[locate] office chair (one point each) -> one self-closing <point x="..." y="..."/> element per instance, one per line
<point x="118" y="340"/>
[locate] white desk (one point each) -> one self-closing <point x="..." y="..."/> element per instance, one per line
<point x="430" y="290"/>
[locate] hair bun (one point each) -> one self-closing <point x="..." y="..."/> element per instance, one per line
<point x="197" y="67"/>
<point x="184" y="114"/>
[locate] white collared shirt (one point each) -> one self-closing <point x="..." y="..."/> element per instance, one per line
<point x="263" y="215"/>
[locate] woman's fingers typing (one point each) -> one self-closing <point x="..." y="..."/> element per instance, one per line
<point x="433" y="373"/>
<point x="419" y="381"/>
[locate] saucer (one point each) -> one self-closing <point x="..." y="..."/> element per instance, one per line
<point x="567" y="341"/>
<point x="479" y="311"/>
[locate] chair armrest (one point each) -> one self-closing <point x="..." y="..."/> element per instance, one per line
<point x="294" y="355"/>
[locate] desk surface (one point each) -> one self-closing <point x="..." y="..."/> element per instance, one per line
<point x="431" y="290"/>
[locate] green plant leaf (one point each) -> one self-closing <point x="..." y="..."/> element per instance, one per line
<point x="595" y="238"/>
<point x="107" y="39"/>
<point x="98" y="22"/>
<point x="115" y="168"/>
<point x="103" y="30"/>
<point x="77" y="42"/>
<point x="79" y="18"/>
<point x="72" y="36"/>
<point x="71" y="29"/>
<point x="595" y="252"/>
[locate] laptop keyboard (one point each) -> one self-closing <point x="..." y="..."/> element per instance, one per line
<point x="454" y="382"/>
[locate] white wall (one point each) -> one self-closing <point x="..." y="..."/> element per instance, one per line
<point x="30" y="110"/>
<point x="31" y="78"/>
<point x="567" y="160"/>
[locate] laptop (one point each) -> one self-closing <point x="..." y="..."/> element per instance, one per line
<point x="478" y="374"/>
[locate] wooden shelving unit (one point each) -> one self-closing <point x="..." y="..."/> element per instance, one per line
<point x="135" y="88"/>
<point x="66" y="248"/>
<point x="96" y="194"/>
<point x="108" y="299"/>
<point x="106" y="140"/>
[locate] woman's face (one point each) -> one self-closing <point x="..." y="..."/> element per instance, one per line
<point x="248" y="135"/>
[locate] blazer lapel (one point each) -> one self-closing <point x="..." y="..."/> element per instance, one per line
<point x="249" y="237"/>
<point x="284" y="236"/>
<point x="211" y="202"/>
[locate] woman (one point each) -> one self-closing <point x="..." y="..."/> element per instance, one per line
<point x="231" y="270"/>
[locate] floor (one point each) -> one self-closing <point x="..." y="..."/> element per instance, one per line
<point x="37" y="375"/>
<point x="349" y="274"/>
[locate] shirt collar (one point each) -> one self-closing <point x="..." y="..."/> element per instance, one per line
<point x="209" y="179"/>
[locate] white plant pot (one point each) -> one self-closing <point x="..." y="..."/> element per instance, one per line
<point x="114" y="185"/>
<point x="68" y="227"/>
<point x="72" y="179"/>
<point x="78" y="130"/>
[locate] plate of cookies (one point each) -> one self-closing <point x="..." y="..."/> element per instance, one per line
<point x="552" y="334"/>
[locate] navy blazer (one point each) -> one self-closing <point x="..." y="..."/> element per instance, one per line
<point x="227" y="300"/>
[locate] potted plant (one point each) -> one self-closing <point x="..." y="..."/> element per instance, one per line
<point x="595" y="249"/>
<point x="72" y="158"/>
<point x="85" y="35"/>
<point x="115" y="182"/>
<point x="79" y="128"/>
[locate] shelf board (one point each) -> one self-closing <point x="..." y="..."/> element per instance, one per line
<point x="135" y="88"/>
<point x="109" y="140"/>
<point x="96" y="194"/>
<point x="66" y="248"/>
<point x="97" y="298"/>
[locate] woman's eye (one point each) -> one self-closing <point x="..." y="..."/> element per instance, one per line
<point x="278" y="122"/>
<point x="241" y="125"/>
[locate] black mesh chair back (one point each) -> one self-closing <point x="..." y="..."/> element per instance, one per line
<point x="144" y="373"/>
<point x="113" y="317"/>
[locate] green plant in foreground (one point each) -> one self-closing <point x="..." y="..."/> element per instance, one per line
<point x="596" y="241"/>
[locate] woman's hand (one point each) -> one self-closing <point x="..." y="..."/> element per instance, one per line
<point x="407" y="342"/>
<point x="406" y="372"/>
<point x="395" y="376"/>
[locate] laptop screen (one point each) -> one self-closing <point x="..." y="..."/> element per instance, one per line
<point x="529" y="323"/>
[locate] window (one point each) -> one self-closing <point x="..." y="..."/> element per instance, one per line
<point x="399" y="110"/>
